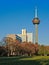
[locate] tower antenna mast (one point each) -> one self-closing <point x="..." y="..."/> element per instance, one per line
<point x="36" y="13"/>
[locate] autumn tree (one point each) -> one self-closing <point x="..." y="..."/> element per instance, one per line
<point x="27" y="48"/>
<point x="36" y="48"/>
<point x="9" y="45"/>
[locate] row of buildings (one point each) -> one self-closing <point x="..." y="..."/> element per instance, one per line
<point x="23" y="37"/>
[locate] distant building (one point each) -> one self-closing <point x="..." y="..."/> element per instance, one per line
<point x="26" y="37"/>
<point x="30" y="37"/>
<point x="14" y="37"/>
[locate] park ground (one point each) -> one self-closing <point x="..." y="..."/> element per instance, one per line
<point x="22" y="60"/>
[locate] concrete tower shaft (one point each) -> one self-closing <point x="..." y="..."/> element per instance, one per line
<point x="36" y="33"/>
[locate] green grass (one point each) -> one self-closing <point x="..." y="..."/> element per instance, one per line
<point x="21" y="60"/>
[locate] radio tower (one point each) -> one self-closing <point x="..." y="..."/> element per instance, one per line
<point x="36" y="22"/>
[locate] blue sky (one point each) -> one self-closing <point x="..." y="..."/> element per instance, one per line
<point x="18" y="14"/>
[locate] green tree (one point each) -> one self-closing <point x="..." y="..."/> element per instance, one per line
<point x="42" y="50"/>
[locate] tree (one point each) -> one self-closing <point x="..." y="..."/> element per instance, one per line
<point x="42" y="50"/>
<point x="9" y="44"/>
<point x="3" y="51"/>
<point x="27" y="48"/>
<point x="36" y="48"/>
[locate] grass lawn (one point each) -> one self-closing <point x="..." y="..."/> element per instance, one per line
<point x="21" y="60"/>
